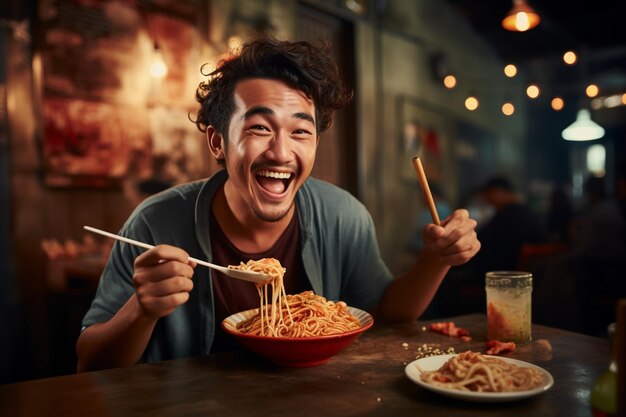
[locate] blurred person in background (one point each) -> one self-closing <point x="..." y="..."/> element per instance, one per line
<point x="598" y="233"/>
<point x="559" y="216"/>
<point x="512" y="225"/>
<point x="581" y="287"/>
<point x="620" y="186"/>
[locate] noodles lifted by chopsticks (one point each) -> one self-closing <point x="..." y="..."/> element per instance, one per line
<point x="471" y="371"/>
<point x="300" y="315"/>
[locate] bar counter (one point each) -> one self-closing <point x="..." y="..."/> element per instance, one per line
<point x="365" y="379"/>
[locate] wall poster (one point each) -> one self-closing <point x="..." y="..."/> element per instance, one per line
<point x="424" y="132"/>
<point x="103" y="89"/>
<point x="457" y="154"/>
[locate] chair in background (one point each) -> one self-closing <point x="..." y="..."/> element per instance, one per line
<point x="534" y="257"/>
<point x="540" y="260"/>
<point x="602" y="285"/>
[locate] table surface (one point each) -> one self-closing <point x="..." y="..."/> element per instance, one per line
<point x="365" y="379"/>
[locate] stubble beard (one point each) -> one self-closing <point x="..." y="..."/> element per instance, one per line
<point x="272" y="217"/>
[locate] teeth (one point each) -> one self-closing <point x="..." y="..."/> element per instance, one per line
<point x="277" y="175"/>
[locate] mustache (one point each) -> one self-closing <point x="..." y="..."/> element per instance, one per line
<point x="272" y="165"/>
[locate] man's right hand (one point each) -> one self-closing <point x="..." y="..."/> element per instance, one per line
<point x="163" y="280"/>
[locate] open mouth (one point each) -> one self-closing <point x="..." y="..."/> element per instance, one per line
<point x="274" y="182"/>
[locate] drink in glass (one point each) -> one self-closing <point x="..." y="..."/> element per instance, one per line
<point x="509" y="306"/>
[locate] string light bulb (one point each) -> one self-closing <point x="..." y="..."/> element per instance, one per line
<point x="471" y="103"/>
<point x="449" y="81"/>
<point x="533" y="91"/>
<point x="508" y="109"/>
<point x="570" y="57"/>
<point x="557" y="104"/>
<point x="592" y="90"/>
<point x="521" y="17"/>
<point x="510" y="70"/>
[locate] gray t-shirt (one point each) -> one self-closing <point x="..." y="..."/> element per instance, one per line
<point x="339" y="252"/>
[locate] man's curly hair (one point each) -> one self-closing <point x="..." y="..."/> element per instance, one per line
<point x="300" y="65"/>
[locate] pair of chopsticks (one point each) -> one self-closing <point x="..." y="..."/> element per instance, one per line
<point x="419" y="169"/>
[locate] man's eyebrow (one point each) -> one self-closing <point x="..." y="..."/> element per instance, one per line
<point x="267" y="110"/>
<point x="304" y="116"/>
<point x="257" y="110"/>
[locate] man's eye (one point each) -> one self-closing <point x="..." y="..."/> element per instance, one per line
<point x="301" y="132"/>
<point x="259" y="127"/>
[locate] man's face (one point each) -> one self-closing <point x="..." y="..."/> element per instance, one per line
<point x="271" y="147"/>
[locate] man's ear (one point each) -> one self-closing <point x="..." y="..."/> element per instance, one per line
<point x="216" y="143"/>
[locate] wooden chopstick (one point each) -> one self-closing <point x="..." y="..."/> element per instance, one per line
<point x="426" y="190"/>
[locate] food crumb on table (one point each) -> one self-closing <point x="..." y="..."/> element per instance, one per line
<point x="432" y="350"/>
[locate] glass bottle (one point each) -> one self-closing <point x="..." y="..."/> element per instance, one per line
<point x="604" y="390"/>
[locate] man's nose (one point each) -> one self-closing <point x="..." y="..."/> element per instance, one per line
<point x="279" y="148"/>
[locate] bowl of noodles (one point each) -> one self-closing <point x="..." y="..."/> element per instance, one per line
<point x="304" y="330"/>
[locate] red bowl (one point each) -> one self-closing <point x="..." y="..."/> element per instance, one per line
<point x="296" y="351"/>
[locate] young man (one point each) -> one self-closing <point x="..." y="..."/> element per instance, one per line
<point x="263" y="112"/>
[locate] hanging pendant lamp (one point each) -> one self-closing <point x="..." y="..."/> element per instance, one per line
<point x="583" y="128"/>
<point x="521" y="17"/>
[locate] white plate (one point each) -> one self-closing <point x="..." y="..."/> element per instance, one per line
<point x="432" y="363"/>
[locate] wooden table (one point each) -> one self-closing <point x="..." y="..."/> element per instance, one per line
<point x="365" y="379"/>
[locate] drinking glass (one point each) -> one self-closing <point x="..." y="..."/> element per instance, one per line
<point x="509" y="306"/>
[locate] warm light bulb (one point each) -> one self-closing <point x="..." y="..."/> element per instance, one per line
<point x="570" y="58"/>
<point x="522" y="23"/>
<point x="158" y="69"/>
<point x="592" y="90"/>
<point x="234" y="43"/>
<point x="508" y="109"/>
<point x="471" y="103"/>
<point x="449" y="81"/>
<point x="532" y="91"/>
<point x="510" y="70"/>
<point x="624" y="99"/>
<point x="557" y="103"/>
<point x="521" y="17"/>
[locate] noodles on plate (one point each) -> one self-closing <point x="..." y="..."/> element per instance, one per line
<point x="472" y="371"/>
<point x="300" y="315"/>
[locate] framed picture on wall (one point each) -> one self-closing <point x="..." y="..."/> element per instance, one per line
<point x="106" y="69"/>
<point x="425" y="131"/>
<point x="456" y="153"/>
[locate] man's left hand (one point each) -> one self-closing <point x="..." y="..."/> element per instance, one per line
<point x="454" y="242"/>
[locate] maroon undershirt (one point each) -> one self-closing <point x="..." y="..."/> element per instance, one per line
<point x="232" y="295"/>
